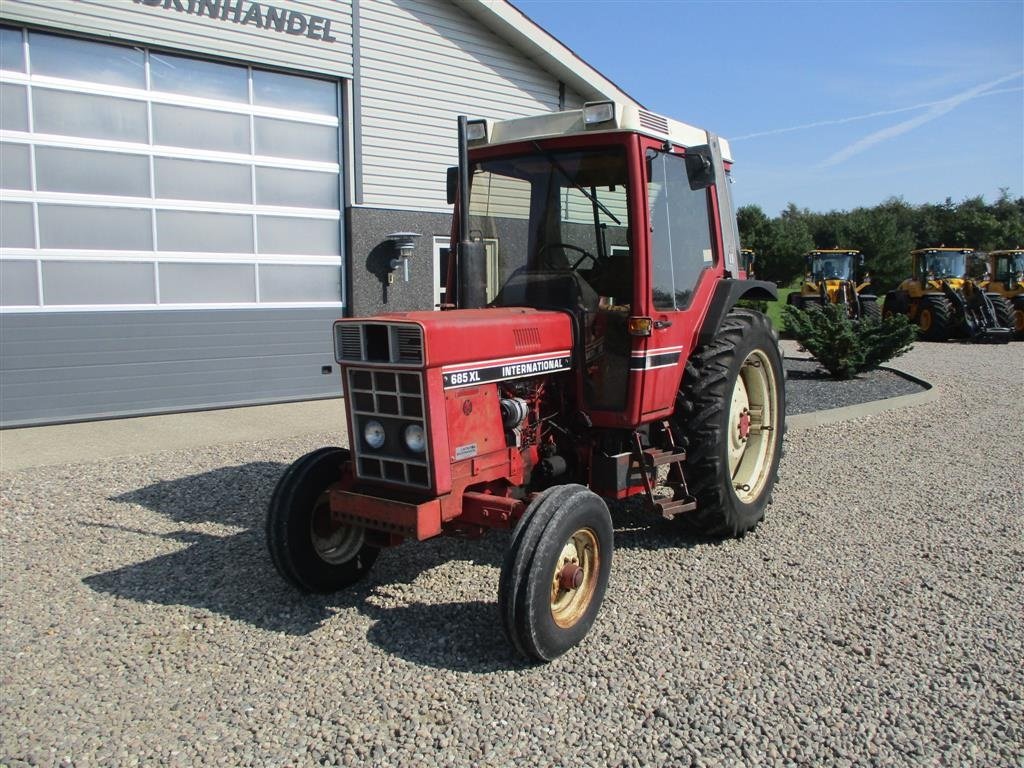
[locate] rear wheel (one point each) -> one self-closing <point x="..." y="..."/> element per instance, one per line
<point x="556" y="571"/>
<point x="732" y="422"/>
<point x="934" y="318"/>
<point x="309" y="548"/>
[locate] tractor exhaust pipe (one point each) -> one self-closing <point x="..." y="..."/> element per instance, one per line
<point x="471" y="259"/>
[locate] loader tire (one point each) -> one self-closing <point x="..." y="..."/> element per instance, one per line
<point x="869" y="310"/>
<point x="309" y="549"/>
<point x="731" y="416"/>
<point x="1003" y="310"/>
<point x="934" y="318"/>
<point x="1018" y="318"/>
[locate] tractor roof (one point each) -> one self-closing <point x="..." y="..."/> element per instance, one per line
<point x="1007" y="252"/>
<point x="625" y="117"/>
<point x="942" y="249"/>
<point x="827" y="251"/>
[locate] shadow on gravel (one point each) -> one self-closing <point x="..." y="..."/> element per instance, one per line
<point x="232" y="575"/>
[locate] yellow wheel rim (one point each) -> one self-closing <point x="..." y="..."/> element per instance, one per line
<point x="753" y="426"/>
<point x="574" y="579"/>
<point x="925" y="319"/>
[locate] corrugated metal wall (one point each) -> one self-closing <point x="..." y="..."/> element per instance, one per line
<point x="423" y="63"/>
<point x="73" y="365"/>
<point x="209" y="27"/>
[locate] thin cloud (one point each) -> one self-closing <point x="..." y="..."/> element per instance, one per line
<point x="866" y="116"/>
<point x="937" y="110"/>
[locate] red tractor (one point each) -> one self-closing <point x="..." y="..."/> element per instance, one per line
<point x="593" y="339"/>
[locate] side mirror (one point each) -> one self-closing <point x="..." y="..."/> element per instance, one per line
<point x="700" y="171"/>
<point x="452" y="183"/>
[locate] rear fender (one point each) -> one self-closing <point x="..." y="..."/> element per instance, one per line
<point x="727" y="293"/>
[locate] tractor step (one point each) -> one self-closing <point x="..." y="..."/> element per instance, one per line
<point x="669" y="508"/>
<point x="655" y="457"/>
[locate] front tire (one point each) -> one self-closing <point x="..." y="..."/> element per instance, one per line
<point x="869" y="310"/>
<point x="1018" y="318"/>
<point x="732" y="419"/>
<point x="934" y="318"/>
<point x="309" y="549"/>
<point x="556" y="572"/>
<point x="1003" y="311"/>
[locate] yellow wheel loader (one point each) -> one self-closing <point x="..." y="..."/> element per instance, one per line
<point x="747" y="260"/>
<point x="831" y="278"/>
<point x="944" y="301"/>
<point x="1005" y="286"/>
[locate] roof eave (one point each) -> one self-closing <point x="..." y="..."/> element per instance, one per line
<point x="520" y="31"/>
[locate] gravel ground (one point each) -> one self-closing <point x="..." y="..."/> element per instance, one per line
<point x="809" y="387"/>
<point x="875" y="618"/>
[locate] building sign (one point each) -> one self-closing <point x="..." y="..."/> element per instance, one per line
<point x="248" y="13"/>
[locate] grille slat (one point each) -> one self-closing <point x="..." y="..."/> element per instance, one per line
<point x="349" y="342"/>
<point x="410" y="344"/>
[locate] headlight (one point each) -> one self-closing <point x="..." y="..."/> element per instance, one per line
<point x="415" y="439"/>
<point x="373" y="433"/>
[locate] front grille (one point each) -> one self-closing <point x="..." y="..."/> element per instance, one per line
<point x="396" y="400"/>
<point x="391" y="343"/>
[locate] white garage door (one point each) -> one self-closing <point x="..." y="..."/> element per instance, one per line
<point x="134" y="179"/>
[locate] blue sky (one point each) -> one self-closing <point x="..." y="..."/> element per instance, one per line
<point x="748" y="71"/>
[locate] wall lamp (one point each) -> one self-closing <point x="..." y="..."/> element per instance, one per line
<point x="403" y="242"/>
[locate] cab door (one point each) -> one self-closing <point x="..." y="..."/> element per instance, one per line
<point x="684" y="264"/>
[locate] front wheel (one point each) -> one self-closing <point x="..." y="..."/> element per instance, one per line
<point x="869" y="310"/>
<point x="1003" y="311"/>
<point x="733" y="419"/>
<point x="556" y="571"/>
<point x="935" y="318"/>
<point x="1018" y="318"/>
<point x="309" y="548"/>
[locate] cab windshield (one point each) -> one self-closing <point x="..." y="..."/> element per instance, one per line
<point x="555" y="226"/>
<point x="1010" y="266"/>
<point x="945" y="264"/>
<point x="832" y="267"/>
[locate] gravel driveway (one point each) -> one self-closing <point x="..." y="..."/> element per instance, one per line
<point x="875" y="618"/>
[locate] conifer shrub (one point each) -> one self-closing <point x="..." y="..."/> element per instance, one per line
<point x="844" y="347"/>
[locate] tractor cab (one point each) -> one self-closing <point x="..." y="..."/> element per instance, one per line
<point x="1007" y="268"/>
<point x="598" y="216"/>
<point x="934" y="266"/>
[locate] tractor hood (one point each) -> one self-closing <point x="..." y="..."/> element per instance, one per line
<point x="465" y="339"/>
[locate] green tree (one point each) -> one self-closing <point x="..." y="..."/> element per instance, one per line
<point x="789" y="239"/>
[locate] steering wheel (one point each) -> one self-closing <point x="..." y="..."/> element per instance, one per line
<point x="584" y="255"/>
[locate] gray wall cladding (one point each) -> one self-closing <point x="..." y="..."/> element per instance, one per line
<point x="371" y="252"/>
<point x="86" y="365"/>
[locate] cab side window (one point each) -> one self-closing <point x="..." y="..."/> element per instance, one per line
<point x="680" y="231"/>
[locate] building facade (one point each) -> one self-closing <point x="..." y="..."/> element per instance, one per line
<point x="192" y="190"/>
